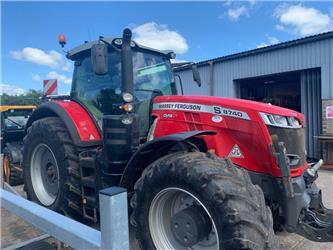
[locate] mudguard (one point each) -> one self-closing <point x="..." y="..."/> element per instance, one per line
<point x="152" y="151"/>
<point x="81" y="126"/>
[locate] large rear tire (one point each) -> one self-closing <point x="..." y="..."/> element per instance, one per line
<point x="51" y="168"/>
<point x="199" y="201"/>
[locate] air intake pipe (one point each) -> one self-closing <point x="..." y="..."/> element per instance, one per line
<point x="127" y="62"/>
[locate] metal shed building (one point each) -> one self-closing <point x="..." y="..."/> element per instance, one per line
<point x="297" y="74"/>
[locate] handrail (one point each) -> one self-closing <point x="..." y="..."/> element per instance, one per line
<point x="113" y="214"/>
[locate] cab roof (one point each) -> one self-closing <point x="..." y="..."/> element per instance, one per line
<point x="76" y="51"/>
<point x="6" y="108"/>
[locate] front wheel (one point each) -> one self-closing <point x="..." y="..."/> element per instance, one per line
<point x="198" y="201"/>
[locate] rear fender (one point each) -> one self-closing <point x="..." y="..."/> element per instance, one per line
<point x="80" y="125"/>
<point x="154" y="150"/>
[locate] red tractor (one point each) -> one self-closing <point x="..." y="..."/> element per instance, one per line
<point x="201" y="172"/>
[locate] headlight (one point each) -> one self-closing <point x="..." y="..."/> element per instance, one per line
<point x="128" y="107"/>
<point x="294" y="121"/>
<point x="127" y="97"/>
<point x="280" y="121"/>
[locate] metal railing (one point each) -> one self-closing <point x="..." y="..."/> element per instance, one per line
<point x="114" y="232"/>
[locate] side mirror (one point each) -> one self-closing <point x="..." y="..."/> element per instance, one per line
<point x="196" y="75"/>
<point x="99" y="58"/>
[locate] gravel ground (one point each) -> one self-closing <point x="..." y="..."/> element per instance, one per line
<point x="15" y="230"/>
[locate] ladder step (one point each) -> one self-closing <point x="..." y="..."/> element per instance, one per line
<point x="88" y="181"/>
<point x="89" y="201"/>
<point x="90" y="214"/>
<point x="89" y="185"/>
<point x="87" y="162"/>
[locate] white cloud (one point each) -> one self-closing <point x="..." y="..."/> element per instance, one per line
<point x="59" y="77"/>
<point x="234" y="14"/>
<point x="52" y="58"/>
<point x="302" y="20"/>
<point x="279" y="27"/>
<point x="160" y="37"/>
<point x="271" y="41"/>
<point x="36" y="77"/>
<point x="262" y="45"/>
<point x="11" y="89"/>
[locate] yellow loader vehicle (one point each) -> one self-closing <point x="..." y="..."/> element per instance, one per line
<point x="13" y="121"/>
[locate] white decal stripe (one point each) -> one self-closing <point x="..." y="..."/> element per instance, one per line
<point x="48" y="85"/>
<point x="194" y="107"/>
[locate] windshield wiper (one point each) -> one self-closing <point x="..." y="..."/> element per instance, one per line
<point x="110" y="44"/>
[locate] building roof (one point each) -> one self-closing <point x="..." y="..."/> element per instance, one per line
<point x="282" y="45"/>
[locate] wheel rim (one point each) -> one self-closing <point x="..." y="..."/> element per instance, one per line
<point x="164" y="206"/>
<point x="44" y="173"/>
<point x="6" y="168"/>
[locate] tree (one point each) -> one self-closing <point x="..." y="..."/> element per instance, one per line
<point x="31" y="97"/>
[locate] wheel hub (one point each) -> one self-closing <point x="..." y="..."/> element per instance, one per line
<point x="44" y="173"/>
<point x="190" y="225"/>
<point x="50" y="173"/>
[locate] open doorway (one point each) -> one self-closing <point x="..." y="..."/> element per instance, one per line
<point x="297" y="90"/>
<point x="282" y="89"/>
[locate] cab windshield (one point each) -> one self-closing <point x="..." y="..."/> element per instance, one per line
<point x="101" y="94"/>
<point x="15" y="119"/>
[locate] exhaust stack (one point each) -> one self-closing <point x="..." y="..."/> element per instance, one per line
<point x="127" y="62"/>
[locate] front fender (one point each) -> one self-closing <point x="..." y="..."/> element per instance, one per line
<point x="152" y="151"/>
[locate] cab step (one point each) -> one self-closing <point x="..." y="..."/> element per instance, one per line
<point x="89" y="185"/>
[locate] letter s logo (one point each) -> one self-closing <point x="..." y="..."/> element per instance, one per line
<point x="217" y="110"/>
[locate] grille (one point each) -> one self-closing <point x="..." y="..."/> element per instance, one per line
<point x="293" y="139"/>
<point x="193" y="121"/>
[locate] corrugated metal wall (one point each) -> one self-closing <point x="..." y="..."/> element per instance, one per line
<point x="311" y="107"/>
<point x="317" y="54"/>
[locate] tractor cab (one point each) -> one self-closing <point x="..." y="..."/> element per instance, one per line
<point x="101" y="91"/>
<point x="13" y="121"/>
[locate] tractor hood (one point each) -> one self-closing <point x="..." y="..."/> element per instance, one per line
<point x="232" y="103"/>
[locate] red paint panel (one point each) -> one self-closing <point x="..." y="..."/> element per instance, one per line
<point x="83" y="122"/>
<point x="250" y="135"/>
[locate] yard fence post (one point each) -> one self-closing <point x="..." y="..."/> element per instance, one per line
<point x="114" y="218"/>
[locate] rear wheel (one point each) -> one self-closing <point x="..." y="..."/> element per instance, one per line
<point x="51" y="168"/>
<point x="199" y="201"/>
<point x="12" y="172"/>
